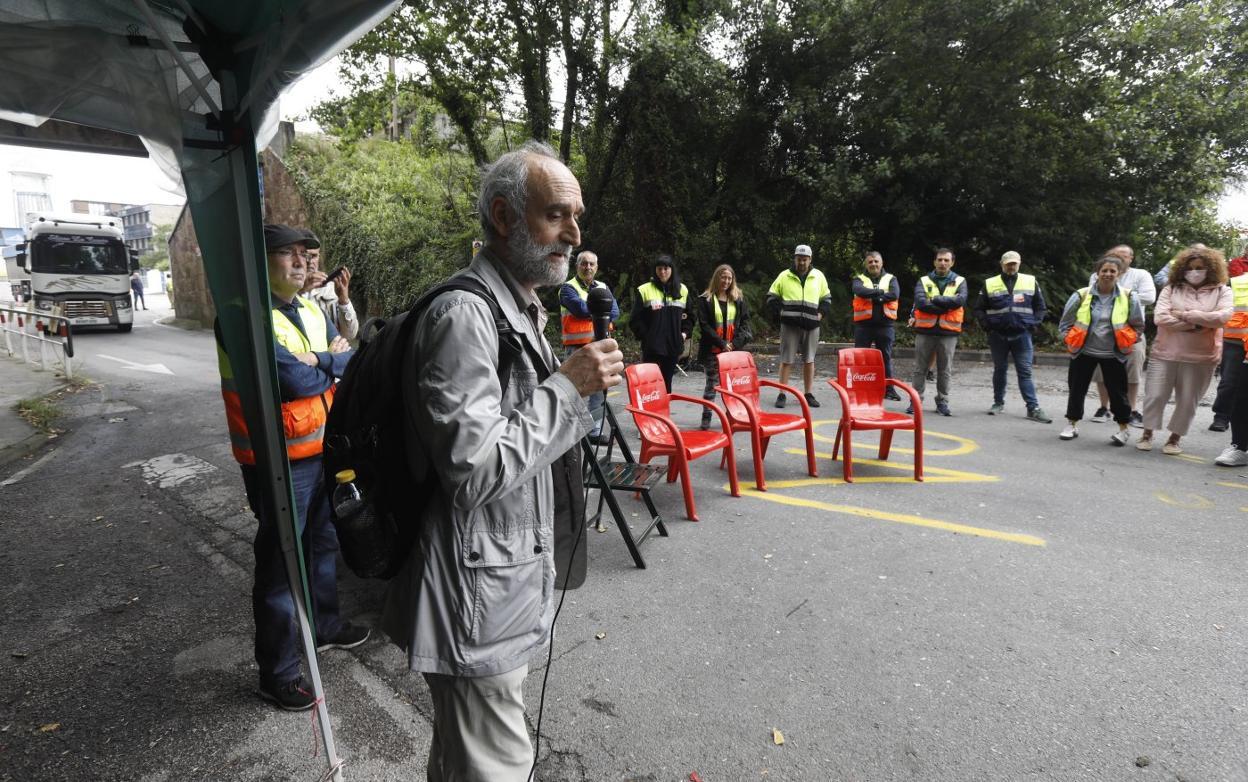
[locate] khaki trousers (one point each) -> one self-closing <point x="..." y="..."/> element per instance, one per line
<point x="1188" y="382"/>
<point x="479" y="734"/>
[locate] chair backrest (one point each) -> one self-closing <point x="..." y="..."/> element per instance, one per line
<point x="738" y="374"/>
<point x="860" y="371"/>
<point x="647" y="391"/>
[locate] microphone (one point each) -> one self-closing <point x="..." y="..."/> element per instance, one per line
<point x="599" y="303"/>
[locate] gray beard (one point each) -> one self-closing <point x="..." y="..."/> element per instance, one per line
<point x="529" y="261"/>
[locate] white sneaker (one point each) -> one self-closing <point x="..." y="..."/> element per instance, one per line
<point x="1120" y="438"/>
<point x="1070" y="432"/>
<point x="1232" y="457"/>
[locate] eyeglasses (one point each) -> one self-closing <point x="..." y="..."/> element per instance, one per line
<point x="286" y="252"/>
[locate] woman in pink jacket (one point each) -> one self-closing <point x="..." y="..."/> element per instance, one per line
<point x="1190" y="313"/>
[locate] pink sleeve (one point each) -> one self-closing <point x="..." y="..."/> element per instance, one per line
<point x="1161" y="313"/>
<point x="1217" y="317"/>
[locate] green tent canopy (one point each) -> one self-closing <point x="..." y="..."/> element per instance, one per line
<point x="197" y="82"/>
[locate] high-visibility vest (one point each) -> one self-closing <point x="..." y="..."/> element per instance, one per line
<point x="949" y="321"/>
<point x="862" y="306"/>
<point x="1005" y="309"/>
<point x="1124" y="333"/>
<point x="724" y="329"/>
<point x="799" y="300"/>
<point x="303" y="420"/>
<point x="578" y="330"/>
<point x="1237" y="326"/>
<point x="651" y="293"/>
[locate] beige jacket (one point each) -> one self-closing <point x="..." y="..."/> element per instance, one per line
<point x="1197" y="338"/>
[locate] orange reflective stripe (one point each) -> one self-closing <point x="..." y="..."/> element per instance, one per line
<point x="1125" y="338"/>
<point x="1075" y="338"/>
<point x="862" y="308"/>
<point x="577" y="331"/>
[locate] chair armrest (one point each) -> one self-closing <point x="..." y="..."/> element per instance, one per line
<point x="673" y="429"/>
<point x="844" y="395"/>
<point x="909" y="389"/>
<point x="723" y="419"/>
<point x="749" y="408"/>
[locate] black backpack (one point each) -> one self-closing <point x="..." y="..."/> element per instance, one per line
<point x="365" y="433"/>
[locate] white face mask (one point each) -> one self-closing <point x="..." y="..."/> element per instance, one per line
<point x="1194" y="276"/>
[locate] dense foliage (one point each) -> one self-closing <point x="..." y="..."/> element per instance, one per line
<point x="731" y="131"/>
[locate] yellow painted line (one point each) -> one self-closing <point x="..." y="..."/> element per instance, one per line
<point x="1191" y="458"/>
<point x="898" y="518"/>
<point x="963" y="444"/>
<point x="930" y="474"/>
<point x="1189" y="501"/>
<point x="1233" y="485"/>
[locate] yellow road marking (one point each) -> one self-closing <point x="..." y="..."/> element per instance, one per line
<point x="898" y="518"/>
<point x="930" y="474"/>
<point x="964" y="445"/>
<point x="1190" y="501"/>
<point x="1233" y="485"/>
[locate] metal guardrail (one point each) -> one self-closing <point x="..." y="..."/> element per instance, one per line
<point x="53" y="333"/>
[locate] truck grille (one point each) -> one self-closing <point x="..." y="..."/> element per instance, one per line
<point x="86" y="309"/>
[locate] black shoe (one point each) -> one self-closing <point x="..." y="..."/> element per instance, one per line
<point x="943" y="408"/>
<point x="349" y="637"/>
<point x="1219" y="425"/>
<point x="295" y="695"/>
<point x="810" y="400"/>
<point x="931" y="376"/>
<point x="780" y="400"/>
<point x="1137" y="420"/>
<point x="890" y="394"/>
<point x="910" y="409"/>
<point x="602" y="438"/>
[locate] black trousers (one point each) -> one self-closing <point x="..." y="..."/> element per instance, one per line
<point x="1232" y="369"/>
<point x="667" y="366"/>
<point x="880" y="337"/>
<point x="1079" y="378"/>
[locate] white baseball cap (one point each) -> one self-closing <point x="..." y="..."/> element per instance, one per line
<point x="803" y="249"/>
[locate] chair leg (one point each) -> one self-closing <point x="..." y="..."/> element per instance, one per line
<point x="918" y="454"/>
<point x="686" y="486"/>
<point x="847" y="458"/>
<point x="672" y="469"/>
<point x="886" y="443"/>
<point x="836" y="444"/>
<point x="759" y="446"/>
<point x="810" y="452"/>
<point x="732" y="470"/>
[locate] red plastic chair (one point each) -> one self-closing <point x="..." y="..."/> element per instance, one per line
<point x="860" y="384"/>
<point x="661" y="437"/>
<point x="739" y="385"/>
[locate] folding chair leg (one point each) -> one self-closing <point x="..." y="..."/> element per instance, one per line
<point x="886" y="443"/>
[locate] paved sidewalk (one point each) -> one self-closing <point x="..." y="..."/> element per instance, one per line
<point x="18" y="381"/>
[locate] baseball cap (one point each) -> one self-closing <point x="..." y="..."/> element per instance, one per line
<point x="1011" y="257"/>
<point x="663" y="260"/>
<point x="277" y="235"/>
<point x="803" y="249"/>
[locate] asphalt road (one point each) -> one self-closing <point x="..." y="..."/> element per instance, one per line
<point x="1034" y="610"/>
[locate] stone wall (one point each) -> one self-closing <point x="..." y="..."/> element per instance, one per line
<point x="192" y="300"/>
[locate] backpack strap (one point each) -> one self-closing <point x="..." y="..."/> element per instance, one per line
<point x="510" y="344"/>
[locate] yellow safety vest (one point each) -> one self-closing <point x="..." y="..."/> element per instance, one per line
<point x="1237" y="326"/>
<point x="1124" y="334"/>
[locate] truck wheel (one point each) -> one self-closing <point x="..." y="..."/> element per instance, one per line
<point x="124" y="327"/>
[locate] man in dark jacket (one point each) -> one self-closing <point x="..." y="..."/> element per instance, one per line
<point x="875" y="311"/>
<point x="1008" y="308"/>
<point x="939" y="301"/>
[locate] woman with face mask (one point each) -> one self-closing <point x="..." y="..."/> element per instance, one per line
<point x="1191" y="310"/>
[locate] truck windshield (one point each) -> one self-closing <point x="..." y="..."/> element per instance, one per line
<point x="70" y="254"/>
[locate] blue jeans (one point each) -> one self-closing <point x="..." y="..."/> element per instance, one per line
<point x="277" y="631"/>
<point x="595" y="400"/>
<point x="1002" y="346"/>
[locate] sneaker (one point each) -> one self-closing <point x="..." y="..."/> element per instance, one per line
<point x="1070" y="432"/>
<point x="1037" y="415"/>
<point x="1219" y="425"/>
<point x="1136" y="419"/>
<point x="1145" y="444"/>
<point x="890" y="394"/>
<point x="1171" y="449"/>
<point x="1120" y="438"/>
<point x="997" y="408"/>
<point x="295" y="695"/>
<point x="780" y="400"/>
<point x="1232" y="457"/>
<point x="349" y="637"/>
<point x="943" y="408"/>
<point x="1100" y="416"/>
<point x="810" y="400"/>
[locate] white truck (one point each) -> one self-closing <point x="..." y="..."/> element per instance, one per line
<point x="79" y="268"/>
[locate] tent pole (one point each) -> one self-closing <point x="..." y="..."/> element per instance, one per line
<point x="274" y="468"/>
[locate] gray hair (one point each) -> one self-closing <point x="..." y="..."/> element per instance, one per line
<point x="508" y="178"/>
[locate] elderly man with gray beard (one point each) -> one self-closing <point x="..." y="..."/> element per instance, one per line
<point x="475" y="600"/>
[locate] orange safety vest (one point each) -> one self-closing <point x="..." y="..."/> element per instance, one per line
<point x="578" y="330"/>
<point x="862" y="306"/>
<point x="1124" y="334"/>
<point x="303" y="420"/>
<point x="949" y="321"/>
<point x="1237" y="326"/>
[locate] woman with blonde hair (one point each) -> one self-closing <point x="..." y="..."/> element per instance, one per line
<point x="1191" y="310"/>
<point x="724" y="321"/>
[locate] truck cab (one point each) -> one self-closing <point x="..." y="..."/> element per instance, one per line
<point x="79" y="268"/>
